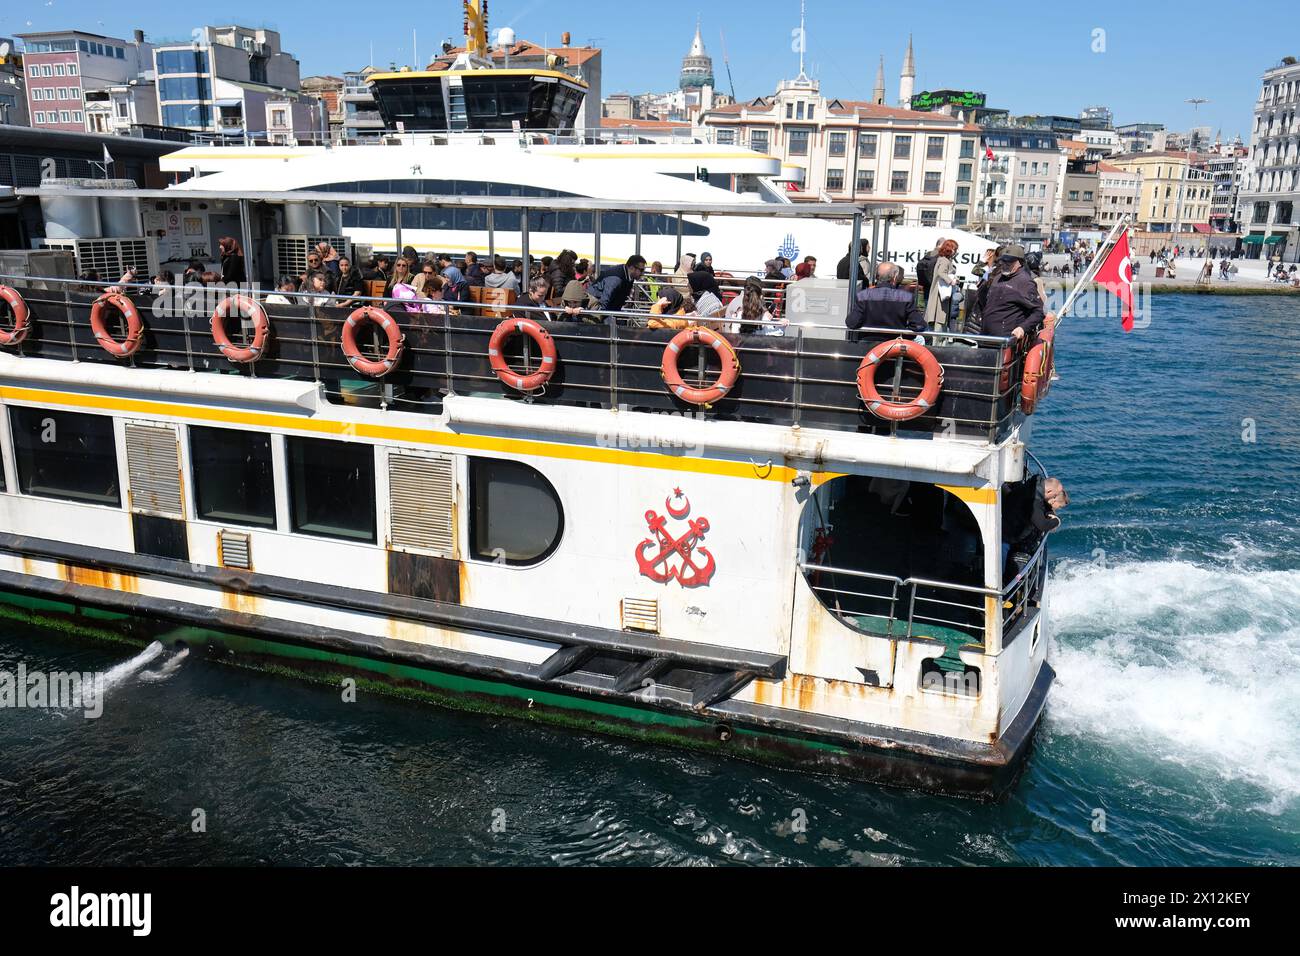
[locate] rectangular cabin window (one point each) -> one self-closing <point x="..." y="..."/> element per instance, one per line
<point x="332" y="488"/>
<point x="65" y="455"/>
<point x="234" y="480"/>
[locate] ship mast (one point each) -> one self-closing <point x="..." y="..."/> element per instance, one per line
<point x="476" y="14"/>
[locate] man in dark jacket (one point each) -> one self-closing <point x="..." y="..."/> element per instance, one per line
<point x="610" y="291"/>
<point x="864" y="263"/>
<point x="884" y="306"/>
<point x="1009" y="302"/>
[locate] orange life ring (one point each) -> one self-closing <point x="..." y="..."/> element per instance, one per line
<point x="261" y="328"/>
<point x="899" y="411"/>
<point x="358" y="318"/>
<point x="134" y="327"/>
<point x="698" y="335"/>
<point x="496" y="354"/>
<point x="19" y="307"/>
<point x="1040" y="363"/>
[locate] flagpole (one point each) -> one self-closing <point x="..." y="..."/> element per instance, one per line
<point x="1088" y="275"/>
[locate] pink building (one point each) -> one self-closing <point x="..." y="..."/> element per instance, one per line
<point x="61" y="66"/>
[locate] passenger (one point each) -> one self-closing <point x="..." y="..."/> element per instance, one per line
<point x="685" y="266"/>
<point x="164" y="282"/>
<point x="318" y="290"/>
<point x="939" y="291"/>
<point x="517" y="268"/>
<point x="411" y="255"/>
<point x="708" y="298"/>
<point x="348" y="283"/>
<point x="384" y="266"/>
<point x="433" y="292"/>
<point x="748" y="307"/>
<point x="1029" y="513"/>
<point x="864" y="263"/>
<point x="706" y="262"/>
<point x="811" y="263"/>
<point x="428" y="271"/>
<point x="456" y="286"/>
<point x="615" y="284"/>
<point x="474" y="272"/>
<point x="573" y="299"/>
<point x="330" y="257"/>
<point x="984" y="274"/>
<point x="670" y="304"/>
<point x="193" y="272"/>
<point x="884" y="306"/>
<point x="582" y="272"/>
<point x="802" y="271"/>
<point x="1009" y="303"/>
<point x="402" y="275"/>
<point x="535" y="299"/>
<point x="561" y="272"/>
<point x="787" y="271"/>
<point x="501" y="278"/>
<point x="654" y="280"/>
<point x="232" y="260"/>
<point x="285" y="293"/>
<point x="211" y="278"/>
<point x="772" y="271"/>
<point x="314" y="264"/>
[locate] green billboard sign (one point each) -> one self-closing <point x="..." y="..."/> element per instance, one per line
<point x="932" y="100"/>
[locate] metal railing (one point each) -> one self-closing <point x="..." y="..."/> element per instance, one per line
<point x="926" y="601"/>
<point x="805" y="375"/>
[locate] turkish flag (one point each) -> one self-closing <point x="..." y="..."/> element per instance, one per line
<point x="1115" y="274"/>
<point x="988" y="153"/>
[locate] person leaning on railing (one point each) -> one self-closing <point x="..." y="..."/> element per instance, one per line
<point x="1029" y="514"/>
<point x="1009" y="302"/>
<point x="609" y="293"/>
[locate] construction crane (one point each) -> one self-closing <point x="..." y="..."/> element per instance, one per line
<point x="727" y="63"/>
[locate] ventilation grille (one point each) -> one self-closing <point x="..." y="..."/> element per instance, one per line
<point x="422" y="503"/>
<point x="640" y="614"/>
<point x="235" y="549"/>
<point x="153" y="466"/>
<point x="111" y="257"/>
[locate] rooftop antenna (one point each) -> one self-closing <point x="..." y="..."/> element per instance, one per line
<point x="727" y="63"/>
<point x="803" y="36"/>
<point x="415" y="51"/>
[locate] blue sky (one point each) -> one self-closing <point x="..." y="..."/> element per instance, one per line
<point x="1028" y="57"/>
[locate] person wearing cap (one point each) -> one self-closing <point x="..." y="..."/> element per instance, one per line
<point x="1009" y="302"/>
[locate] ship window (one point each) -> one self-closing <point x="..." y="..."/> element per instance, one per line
<point x="332" y="488"/>
<point x="516" y="516"/>
<point x="886" y="535"/>
<point x="233" y="476"/>
<point x="65" y="455"/>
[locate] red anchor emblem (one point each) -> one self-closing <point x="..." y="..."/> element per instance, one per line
<point x="660" y="568"/>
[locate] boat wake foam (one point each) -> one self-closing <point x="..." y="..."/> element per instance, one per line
<point x="116" y="676"/>
<point x="169" y="667"/>
<point x="1189" y="664"/>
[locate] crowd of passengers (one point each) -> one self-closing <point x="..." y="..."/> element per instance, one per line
<point x="1003" y="297"/>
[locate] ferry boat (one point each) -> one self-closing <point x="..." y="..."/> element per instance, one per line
<point x="733" y="541"/>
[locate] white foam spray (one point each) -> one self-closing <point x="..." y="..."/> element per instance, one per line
<point x="1187" y="663"/>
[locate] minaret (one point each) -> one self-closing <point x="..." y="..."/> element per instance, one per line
<point x="878" y="94"/>
<point x="907" y="79"/>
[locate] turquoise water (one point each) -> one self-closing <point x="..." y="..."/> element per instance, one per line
<point x="1176" y="608"/>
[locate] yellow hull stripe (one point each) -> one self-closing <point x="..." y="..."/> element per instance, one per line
<point x="439" y="439"/>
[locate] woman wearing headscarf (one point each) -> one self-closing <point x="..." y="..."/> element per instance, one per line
<point x="708" y="298"/>
<point x="706" y="262"/>
<point x="944" y="279"/>
<point x="670" y="303"/>
<point x="681" y="281"/>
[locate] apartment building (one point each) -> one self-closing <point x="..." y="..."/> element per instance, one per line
<point x="71" y="74"/>
<point x="853" y="151"/>
<point x="1018" y="185"/>
<point x="1271" y="191"/>
<point x="1176" y="192"/>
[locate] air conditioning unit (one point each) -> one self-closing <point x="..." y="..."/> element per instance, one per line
<point x="110" y="258"/>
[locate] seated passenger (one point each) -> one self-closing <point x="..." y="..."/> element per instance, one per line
<point x="749" y="307"/>
<point x="670" y="304"/>
<point x="708" y="298"/>
<point x="535" y="299"/>
<point x="500" y="277"/>
<point x="884" y="306"/>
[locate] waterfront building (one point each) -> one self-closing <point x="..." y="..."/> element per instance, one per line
<point x="84" y="82"/>
<point x="1271" y="191"/>
<point x="220" y="84"/>
<point x="13" y="85"/>
<point x="1119" y="193"/>
<point x="1174" y="206"/>
<point x="1018" y="186"/>
<point x="852" y="151"/>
